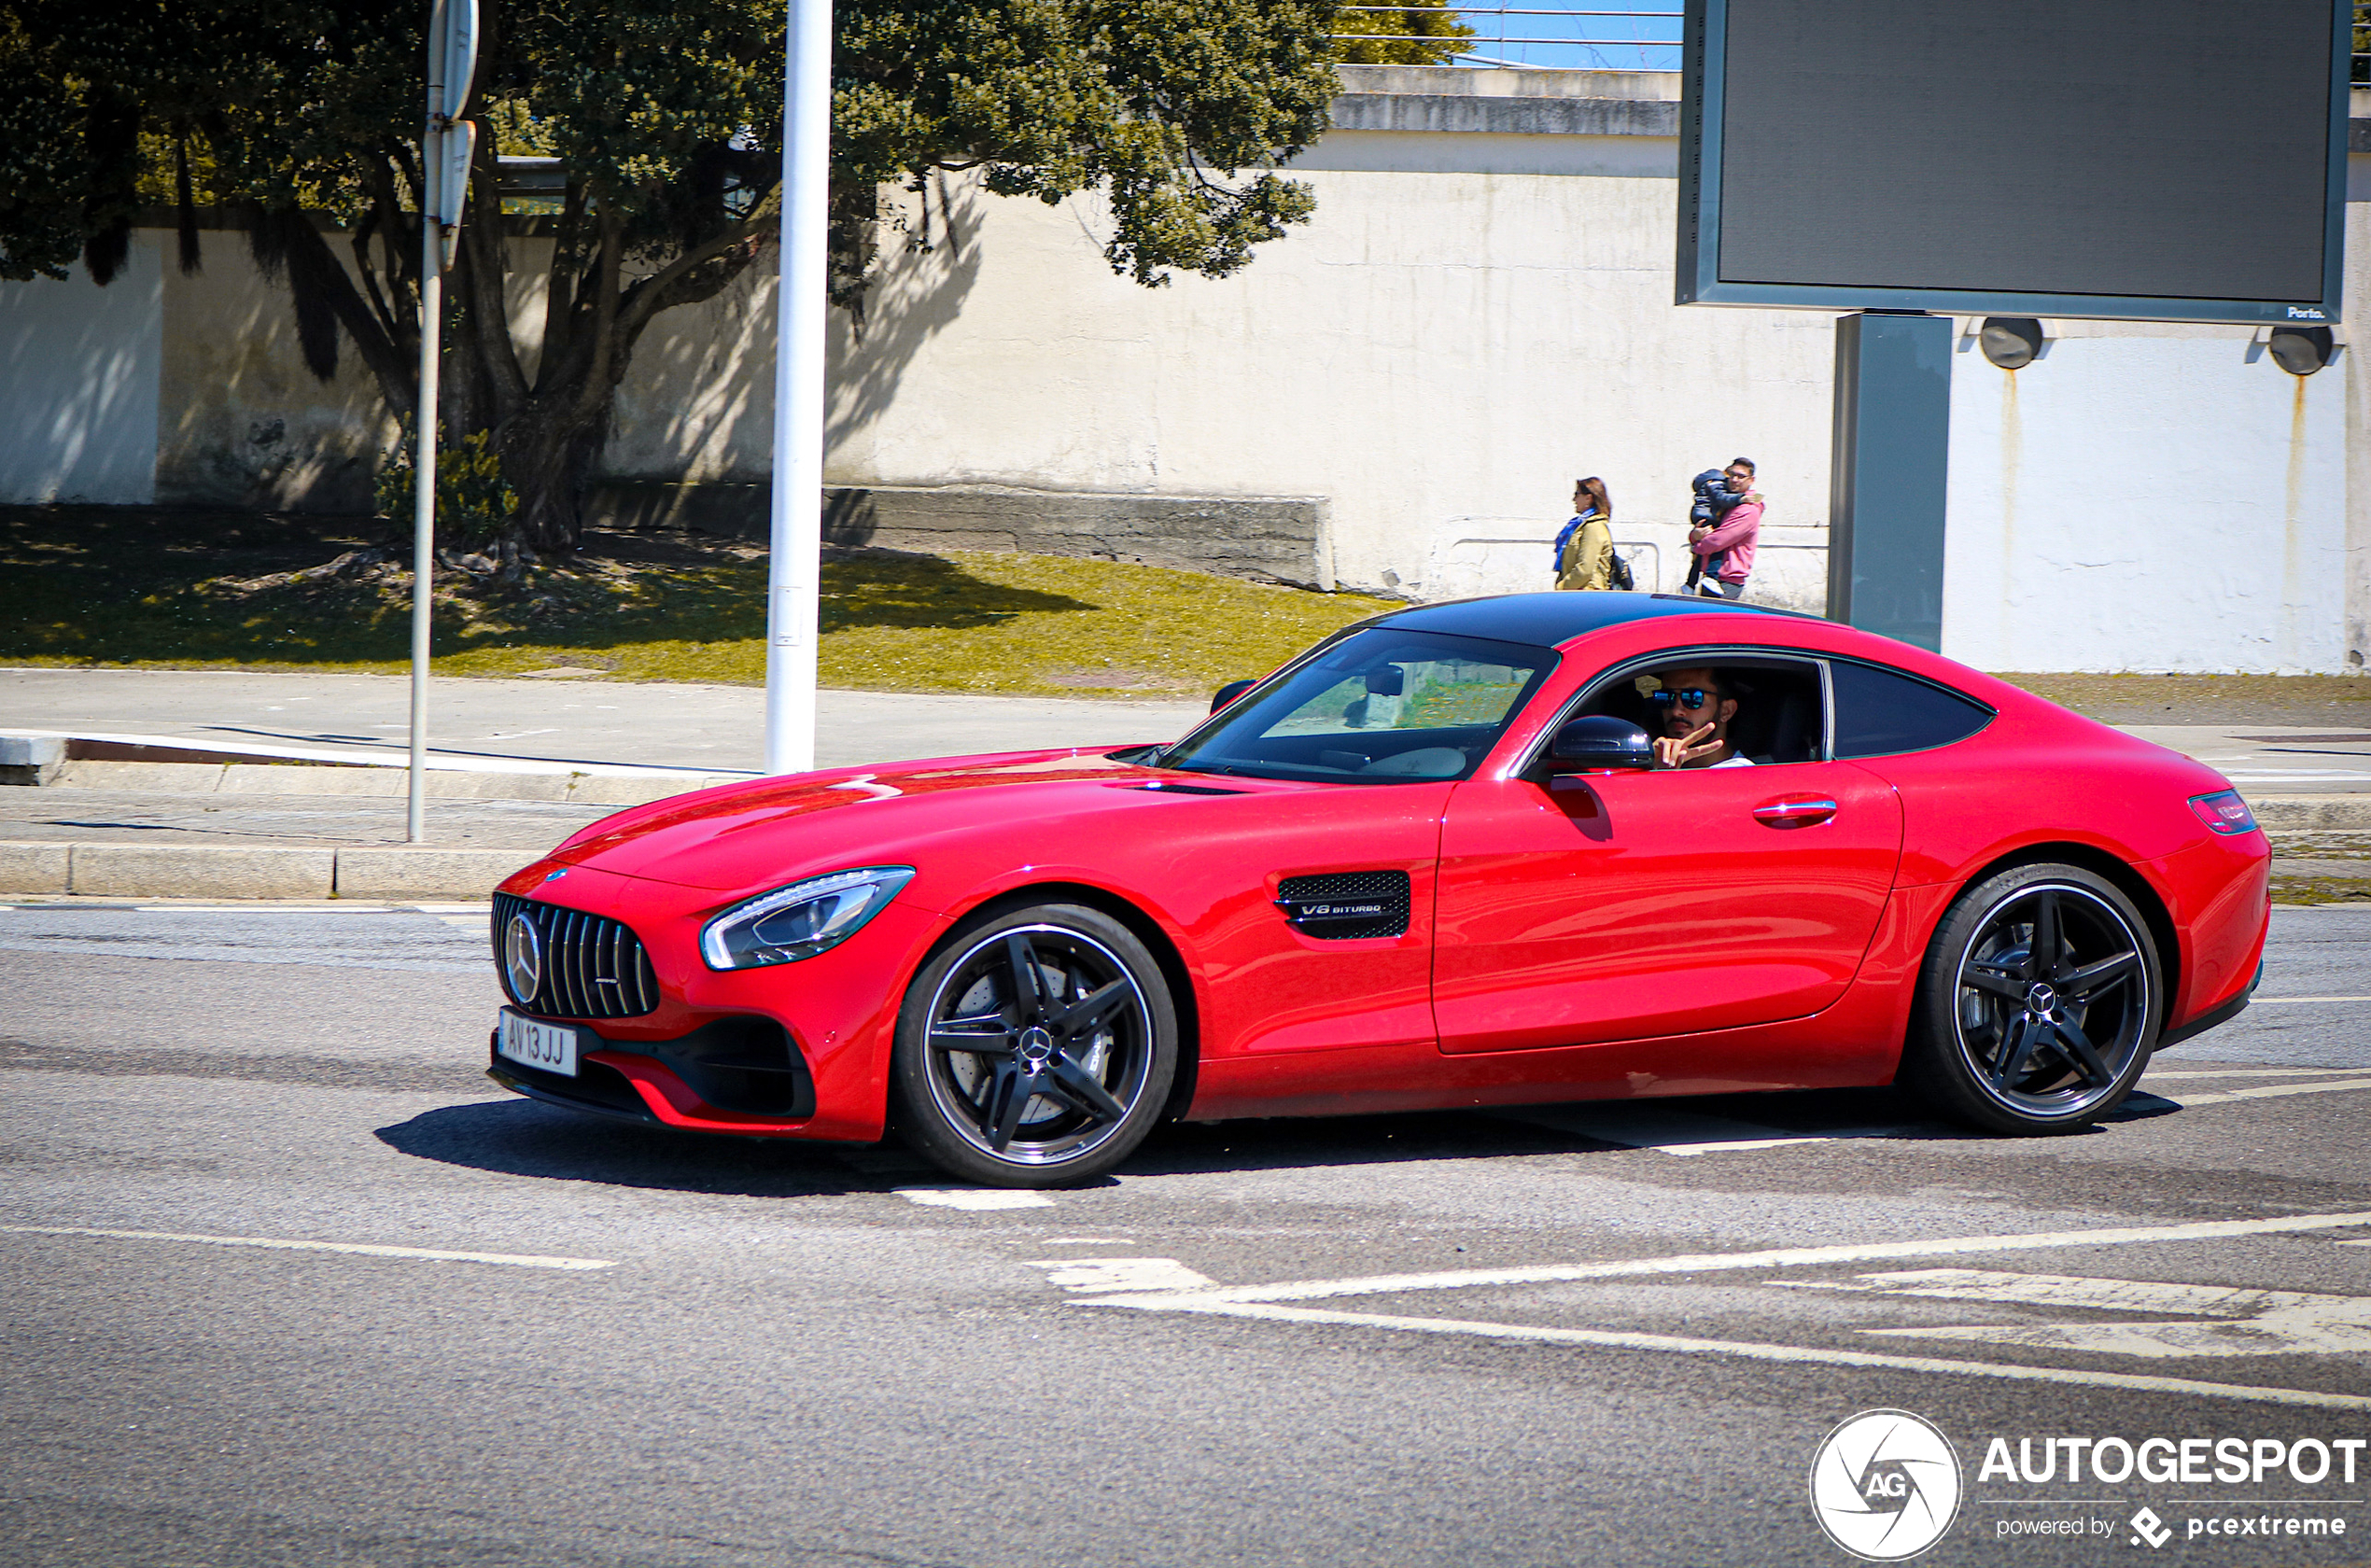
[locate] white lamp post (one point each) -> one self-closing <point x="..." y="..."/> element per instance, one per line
<point x="794" y="562"/>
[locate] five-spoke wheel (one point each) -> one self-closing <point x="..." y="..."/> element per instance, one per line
<point x="1036" y="1048"/>
<point x="2039" y="1003"/>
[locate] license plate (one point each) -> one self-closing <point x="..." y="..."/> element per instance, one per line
<point x="549" y="1046"/>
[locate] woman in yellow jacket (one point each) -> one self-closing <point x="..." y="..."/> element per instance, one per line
<point x="1585" y="552"/>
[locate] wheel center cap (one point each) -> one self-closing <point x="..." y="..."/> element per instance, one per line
<point x="2041" y="998"/>
<point x="1036" y="1047"/>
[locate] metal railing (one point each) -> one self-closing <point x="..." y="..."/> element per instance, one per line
<point x="1505" y="38"/>
<point x="1568" y="48"/>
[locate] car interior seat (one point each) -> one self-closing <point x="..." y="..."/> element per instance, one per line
<point x="1781" y="724"/>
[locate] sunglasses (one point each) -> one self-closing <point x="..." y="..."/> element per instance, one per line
<point x="1693" y="697"/>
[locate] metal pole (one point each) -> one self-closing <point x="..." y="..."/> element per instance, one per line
<point x="1889" y="481"/>
<point x="795" y="565"/>
<point x="424" y="463"/>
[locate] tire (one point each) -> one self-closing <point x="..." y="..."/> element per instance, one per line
<point x="2038" y="1005"/>
<point x="1035" y="1050"/>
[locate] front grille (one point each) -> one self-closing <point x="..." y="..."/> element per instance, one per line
<point x="593" y="967"/>
<point x="1343" y="905"/>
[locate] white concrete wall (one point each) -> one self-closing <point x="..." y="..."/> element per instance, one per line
<point x="2146" y="498"/>
<point x="1441" y="353"/>
<point x="1471" y="321"/>
<point x="78" y="373"/>
<point x="1433" y="349"/>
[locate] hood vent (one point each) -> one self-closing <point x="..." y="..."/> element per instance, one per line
<point x="1345" y="905"/>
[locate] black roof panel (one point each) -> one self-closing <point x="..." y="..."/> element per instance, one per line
<point x="1549" y="619"/>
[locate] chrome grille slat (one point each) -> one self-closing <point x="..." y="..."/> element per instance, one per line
<point x="578" y="949"/>
<point x="580" y="966"/>
<point x="561" y="954"/>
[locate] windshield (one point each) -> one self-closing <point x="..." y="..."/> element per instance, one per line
<point x="1379" y="707"/>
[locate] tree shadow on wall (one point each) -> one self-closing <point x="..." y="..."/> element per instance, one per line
<point x="925" y="273"/>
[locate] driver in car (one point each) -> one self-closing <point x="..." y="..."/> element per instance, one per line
<point x="1697" y="706"/>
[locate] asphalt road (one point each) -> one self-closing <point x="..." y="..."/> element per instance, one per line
<point x="660" y="1351"/>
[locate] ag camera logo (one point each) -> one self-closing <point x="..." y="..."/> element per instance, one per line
<point x="1885" y="1485"/>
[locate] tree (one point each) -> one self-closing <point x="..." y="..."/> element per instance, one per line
<point x="665" y="117"/>
<point x="1424" y="33"/>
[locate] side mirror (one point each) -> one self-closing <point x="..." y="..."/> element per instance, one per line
<point x="1600" y="743"/>
<point x="1229" y="692"/>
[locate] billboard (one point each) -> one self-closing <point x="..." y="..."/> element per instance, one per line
<point x="2152" y="159"/>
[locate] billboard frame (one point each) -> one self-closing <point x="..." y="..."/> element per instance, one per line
<point x="1705" y="77"/>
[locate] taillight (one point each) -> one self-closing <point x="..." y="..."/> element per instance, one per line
<point x="2226" y="813"/>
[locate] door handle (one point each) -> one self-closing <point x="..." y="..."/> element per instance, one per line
<point x="1794" y="813"/>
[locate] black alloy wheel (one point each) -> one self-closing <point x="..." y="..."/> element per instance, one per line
<point x="2039" y="1004"/>
<point x="1037" y="1049"/>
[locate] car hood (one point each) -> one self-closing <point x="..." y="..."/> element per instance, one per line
<point x="770" y="831"/>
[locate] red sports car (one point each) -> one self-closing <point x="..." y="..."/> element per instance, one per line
<point x="1551" y="846"/>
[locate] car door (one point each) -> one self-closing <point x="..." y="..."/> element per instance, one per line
<point x="1580" y="910"/>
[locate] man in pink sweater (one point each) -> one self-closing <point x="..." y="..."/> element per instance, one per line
<point x="1733" y="541"/>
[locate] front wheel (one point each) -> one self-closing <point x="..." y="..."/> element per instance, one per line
<point x="1035" y="1050"/>
<point x="2039" y="1002"/>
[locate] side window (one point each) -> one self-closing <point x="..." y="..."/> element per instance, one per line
<point x="1778" y="717"/>
<point x="1881" y="712"/>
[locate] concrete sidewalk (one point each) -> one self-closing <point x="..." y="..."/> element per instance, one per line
<point x="576" y="721"/>
<point x="524" y="762"/>
<point x="519" y="765"/>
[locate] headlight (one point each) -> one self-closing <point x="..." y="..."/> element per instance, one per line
<point x="800" y="920"/>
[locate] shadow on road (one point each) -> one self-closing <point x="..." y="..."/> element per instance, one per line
<point x="519" y="1137"/>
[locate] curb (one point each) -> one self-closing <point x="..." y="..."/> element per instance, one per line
<point x="574" y="787"/>
<point x="255" y="872"/>
<point x="2305" y="813"/>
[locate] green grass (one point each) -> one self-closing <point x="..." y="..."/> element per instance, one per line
<point x="165" y="589"/>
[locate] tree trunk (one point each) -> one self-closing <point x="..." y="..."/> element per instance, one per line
<point x="547" y="456"/>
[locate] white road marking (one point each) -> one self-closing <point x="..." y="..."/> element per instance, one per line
<point x="519" y="1260"/>
<point x="1089" y="1242"/>
<point x="261" y="909"/>
<point x="2270" y="1091"/>
<point x="973" y="1197"/>
<point x="2257" y="1322"/>
<point x="2272" y="1002"/>
<point x="1102" y="1275"/>
<point x="2153" y="1074"/>
<point x="1206" y="1304"/>
<point x="1773" y="1257"/>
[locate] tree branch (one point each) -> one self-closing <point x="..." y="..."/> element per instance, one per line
<point x="485" y="267"/>
<point x="595" y="393"/>
<point x="559" y="283"/>
<point x="648" y="296"/>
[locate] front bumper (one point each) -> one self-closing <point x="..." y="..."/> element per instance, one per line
<point x="740" y="1075"/>
<point x="834" y="1016"/>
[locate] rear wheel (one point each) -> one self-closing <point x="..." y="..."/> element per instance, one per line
<point x="2039" y="1003"/>
<point x="1037" y="1049"/>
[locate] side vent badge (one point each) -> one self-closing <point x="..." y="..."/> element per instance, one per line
<point x="1345" y="906"/>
